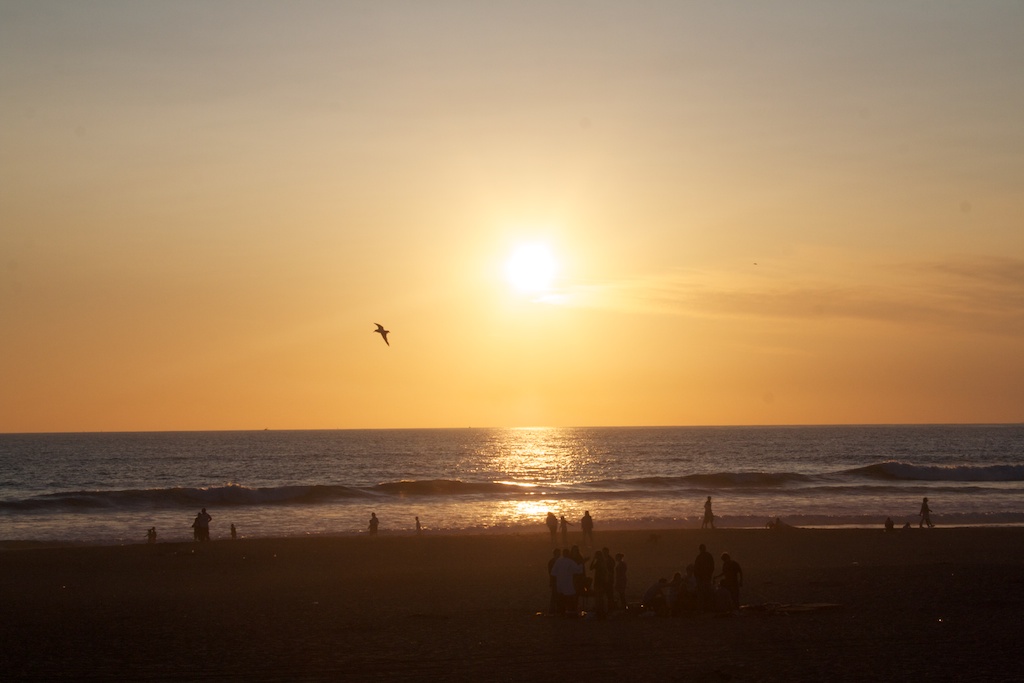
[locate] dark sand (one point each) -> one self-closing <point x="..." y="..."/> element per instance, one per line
<point x="939" y="604"/>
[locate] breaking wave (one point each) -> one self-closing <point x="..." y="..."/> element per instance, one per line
<point x="893" y="470"/>
<point x="237" y="495"/>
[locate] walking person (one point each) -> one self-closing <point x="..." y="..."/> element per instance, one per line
<point x="709" y="517"/>
<point x="926" y="515"/>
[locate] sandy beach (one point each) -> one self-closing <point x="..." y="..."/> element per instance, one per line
<point x="938" y="604"/>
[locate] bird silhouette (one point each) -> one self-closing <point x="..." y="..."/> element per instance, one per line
<point x="383" y="333"/>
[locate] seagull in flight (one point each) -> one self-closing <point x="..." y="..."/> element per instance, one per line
<point x="382" y="332"/>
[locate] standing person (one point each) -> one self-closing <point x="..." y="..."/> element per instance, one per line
<point x="709" y="517"/>
<point x="419" y="529"/>
<point x="704" y="572"/>
<point x="203" y="521"/>
<point x="732" y="578"/>
<point x="374" y="523"/>
<point x="552" y="523"/>
<point x="234" y="532"/>
<point x="151" y="535"/>
<point x="581" y="581"/>
<point x="563" y="526"/>
<point x="556" y="606"/>
<point x="926" y="515"/>
<point x="609" y="583"/>
<point x="621" y="579"/>
<point x="565" y="570"/>
<point x="587" y="525"/>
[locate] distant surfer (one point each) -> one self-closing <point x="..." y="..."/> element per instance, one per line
<point x="383" y="333"/>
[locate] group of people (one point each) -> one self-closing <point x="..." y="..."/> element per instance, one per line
<point x="925" y="515"/>
<point x="200" y="528"/>
<point x="697" y="591"/>
<point x="700" y="590"/>
<point x="560" y="525"/>
<point x="374" y="525"/>
<point x="570" y="583"/>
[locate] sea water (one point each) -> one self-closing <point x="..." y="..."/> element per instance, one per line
<point x="110" y="488"/>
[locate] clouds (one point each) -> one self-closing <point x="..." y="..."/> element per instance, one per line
<point x="984" y="294"/>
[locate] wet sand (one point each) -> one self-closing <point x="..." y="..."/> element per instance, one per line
<point x="938" y="604"/>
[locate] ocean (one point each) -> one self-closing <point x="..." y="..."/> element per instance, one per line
<point x="109" y="488"/>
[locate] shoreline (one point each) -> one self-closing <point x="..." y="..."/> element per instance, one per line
<point x="936" y="602"/>
<point x="14" y="544"/>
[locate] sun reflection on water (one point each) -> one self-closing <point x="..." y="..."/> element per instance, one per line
<point x="537" y="455"/>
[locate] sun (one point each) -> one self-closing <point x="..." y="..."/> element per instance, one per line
<point x="531" y="268"/>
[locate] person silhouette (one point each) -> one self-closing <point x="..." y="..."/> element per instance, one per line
<point x="201" y="526"/>
<point x="204" y="519"/>
<point x="563" y="526"/>
<point x="621" y="579"/>
<point x="587" y="525"/>
<point x="565" y="570"/>
<point x="234" y="532"/>
<point x="732" y="578"/>
<point x="556" y="605"/>
<point x="709" y="517"/>
<point x="926" y="515"/>
<point x="151" y="535"/>
<point x="419" y="528"/>
<point x="374" y="523"/>
<point x="552" y="523"/>
<point x="602" y="581"/>
<point x="704" y="572"/>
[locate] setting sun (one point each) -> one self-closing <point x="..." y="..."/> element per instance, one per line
<point x="531" y="268"/>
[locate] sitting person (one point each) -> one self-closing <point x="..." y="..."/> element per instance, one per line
<point x="654" y="598"/>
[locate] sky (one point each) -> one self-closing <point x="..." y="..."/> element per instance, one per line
<point x="793" y="212"/>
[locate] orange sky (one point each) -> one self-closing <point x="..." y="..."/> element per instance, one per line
<point x="764" y="213"/>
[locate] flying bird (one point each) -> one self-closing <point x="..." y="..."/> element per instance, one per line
<point x="383" y="333"/>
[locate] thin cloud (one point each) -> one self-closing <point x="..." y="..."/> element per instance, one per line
<point x="981" y="293"/>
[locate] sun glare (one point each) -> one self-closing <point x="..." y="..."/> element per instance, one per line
<point x="531" y="268"/>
